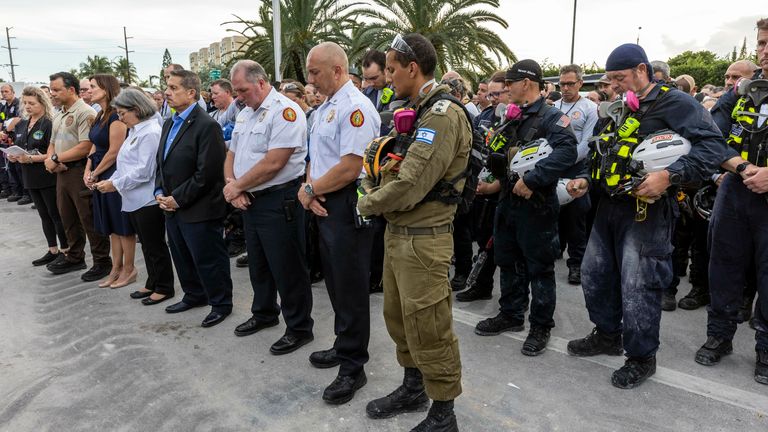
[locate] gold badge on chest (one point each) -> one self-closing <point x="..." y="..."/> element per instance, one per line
<point x="331" y="116"/>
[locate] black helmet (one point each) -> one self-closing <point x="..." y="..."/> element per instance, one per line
<point x="704" y="201"/>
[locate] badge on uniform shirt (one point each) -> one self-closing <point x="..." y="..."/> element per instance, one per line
<point x="736" y="129"/>
<point x="564" y="121"/>
<point x="357" y="118"/>
<point x="68" y="122"/>
<point x="576" y="115"/>
<point x="289" y="115"/>
<point x="331" y="116"/>
<point x="262" y="116"/>
<point x="427" y="136"/>
<point x="38" y="135"/>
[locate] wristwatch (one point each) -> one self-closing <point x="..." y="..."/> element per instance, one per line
<point x="55" y="158"/>
<point x="742" y="166"/>
<point x="309" y="190"/>
<point x="674" y="178"/>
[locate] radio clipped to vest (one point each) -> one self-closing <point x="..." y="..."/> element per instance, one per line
<point x="749" y="132"/>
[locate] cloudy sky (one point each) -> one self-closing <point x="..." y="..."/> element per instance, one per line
<point x="53" y="35"/>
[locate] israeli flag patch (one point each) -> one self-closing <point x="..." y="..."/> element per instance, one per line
<point x="427" y="136"/>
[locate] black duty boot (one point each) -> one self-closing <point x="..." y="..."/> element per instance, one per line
<point x="596" y="343"/>
<point x="409" y="397"/>
<point x="713" y="350"/>
<point x="633" y="373"/>
<point x="698" y="297"/>
<point x="242" y="261"/>
<point x="761" y="367"/>
<point x="668" y="302"/>
<point x="439" y="419"/>
<point x="497" y="325"/>
<point x="745" y="311"/>
<point x="574" y="275"/>
<point x="474" y="293"/>
<point x="536" y="342"/>
<point x="459" y="281"/>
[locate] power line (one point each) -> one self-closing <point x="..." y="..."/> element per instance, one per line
<point x="127" y="61"/>
<point x="10" y="53"/>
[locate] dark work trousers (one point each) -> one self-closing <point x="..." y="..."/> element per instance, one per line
<point x="690" y="234"/>
<point x="149" y="224"/>
<point x="16" y="181"/>
<point x="5" y="184"/>
<point x="626" y="267"/>
<point x="738" y="233"/>
<point x="202" y="264"/>
<point x="45" y="202"/>
<point x="594" y="199"/>
<point x="346" y="255"/>
<point x="483" y="213"/>
<point x="377" y="251"/>
<point x="462" y="243"/>
<point x="276" y="245"/>
<point x="313" y="246"/>
<point x="573" y="229"/>
<point x="526" y="243"/>
<point x="74" y="202"/>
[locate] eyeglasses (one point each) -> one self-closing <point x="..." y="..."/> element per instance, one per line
<point x="400" y="45"/>
<point x="497" y="94"/>
<point x="568" y="84"/>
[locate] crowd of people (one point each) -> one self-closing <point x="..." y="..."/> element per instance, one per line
<point x="277" y="169"/>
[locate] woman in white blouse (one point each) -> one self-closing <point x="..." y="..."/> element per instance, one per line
<point x="134" y="179"/>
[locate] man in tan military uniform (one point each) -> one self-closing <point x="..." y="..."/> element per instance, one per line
<point x="419" y="241"/>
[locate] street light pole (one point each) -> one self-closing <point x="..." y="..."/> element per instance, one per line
<point x="276" y="35"/>
<point x="638" y="35"/>
<point x="573" y="31"/>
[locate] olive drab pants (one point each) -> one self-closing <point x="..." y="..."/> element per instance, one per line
<point x="417" y="309"/>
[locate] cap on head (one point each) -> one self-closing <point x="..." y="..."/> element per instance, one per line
<point x="628" y="56"/>
<point x="524" y="69"/>
<point x="604" y="80"/>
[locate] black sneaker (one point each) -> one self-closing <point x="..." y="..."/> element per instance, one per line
<point x="98" y="271"/>
<point x="698" y="297"/>
<point x="459" y="282"/>
<point x="375" y="287"/>
<point x="596" y="343"/>
<point x="574" y="275"/>
<point x="14" y="198"/>
<point x="57" y="262"/>
<point x="713" y="350"/>
<point x="497" y="325"/>
<point x="536" y="342"/>
<point x="409" y="397"/>
<point x="66" y="266"/>
<point x="668" y="302"/>
<point x="235" y="249"/>
<point x="24" y="200"/>
<point x="4" y="194"/>
<point x="475" y="293"/>
<point x="439" y="419"/>
<point x="343" y="388"/>
<point x="633" y="373"/>
<point x="761" y="367"/>
<point x="46" y="259"/>
<point x="242" y="261"/>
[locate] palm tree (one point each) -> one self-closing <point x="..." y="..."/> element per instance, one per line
<point x="94" y="65"/>
<point x="125" y="70"/>
<point x="304" y="23"/>
<point x="456" y="28"/>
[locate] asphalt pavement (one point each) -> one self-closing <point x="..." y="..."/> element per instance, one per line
<point x="74" y="357"/>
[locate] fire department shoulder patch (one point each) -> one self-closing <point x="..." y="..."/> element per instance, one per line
<point x="289" y="114"/>
<point x="357" y="118"/>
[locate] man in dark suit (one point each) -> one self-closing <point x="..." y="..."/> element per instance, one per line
<point x="190" y="177"/>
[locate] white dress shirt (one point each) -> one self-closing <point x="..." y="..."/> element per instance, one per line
<point x="277" y="123"/>
<point x="134" y="176"/>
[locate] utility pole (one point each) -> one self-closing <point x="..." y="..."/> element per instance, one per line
<point x="638" y="35"/>
<point x="127" y="61"/>
<point x="277" y="39"/>
<point x="10" y="53"/>
<point x="573" y="32"/>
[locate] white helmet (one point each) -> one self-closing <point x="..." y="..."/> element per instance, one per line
<point x="659" y="150"/>
<point x="562" y="192"/>
<point x="529" y="155"/>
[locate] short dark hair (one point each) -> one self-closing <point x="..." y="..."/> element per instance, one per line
<point x="375" y="56"/>
<point x="175" y="67"/>
<point x="424" y="54"/>
<point x="498" y="77"/>
<point x="224" y="84"/>
<point x="68" y="79"/>
<point x="762" y="24"/>
<point x="189" y="80"/>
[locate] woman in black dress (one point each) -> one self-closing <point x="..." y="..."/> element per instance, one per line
<point x="33" y="134"/>
<point x="107" y="134"/>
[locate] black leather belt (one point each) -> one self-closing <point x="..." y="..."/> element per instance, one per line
<point x="401" y="230"/>
<point x="75" y="164"/>
<point x="275" y="188"/>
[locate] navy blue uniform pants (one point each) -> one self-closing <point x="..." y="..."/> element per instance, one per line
<point x="202" y="264"/>
<point x="573" y="229"/>
<point x="483" y="214"/>
<point x="277" y="263"/>
<point x="738" y="234"/>
<point x="345" y="251"/>
<point x="626" y="266"/>
<point x="526" y="245"/>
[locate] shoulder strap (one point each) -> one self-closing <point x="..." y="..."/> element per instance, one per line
<point x="536" y="122"/>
